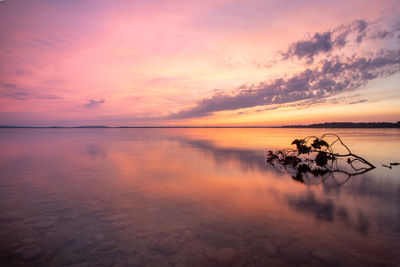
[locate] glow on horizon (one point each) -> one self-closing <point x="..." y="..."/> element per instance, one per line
<point x="196" y="62"/>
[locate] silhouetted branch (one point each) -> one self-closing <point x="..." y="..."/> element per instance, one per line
<point x="316" y="156"/>
<point x="391" y="164"/>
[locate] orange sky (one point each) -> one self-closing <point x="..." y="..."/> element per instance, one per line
<point x="225" y="62"/>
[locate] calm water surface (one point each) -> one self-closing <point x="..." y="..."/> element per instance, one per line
<point x="190" y="197"/>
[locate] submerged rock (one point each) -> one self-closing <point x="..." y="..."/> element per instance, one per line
<point x="69" y="255"/>
<point x="98" y="238"/>
<point x="82" y="264"/>
<point x="28" y="241"/>
<point x="224" y="256"/>
<point x="72" y="216"/>
<point x="108" y="246"/>
<point x="270" y="249"/>
<point x="28" y="252"/>
<point x="297" y="254"/>
<point x="325" y="256"/>
<point x="45" y="221"/>
<point x="166" y="245"/>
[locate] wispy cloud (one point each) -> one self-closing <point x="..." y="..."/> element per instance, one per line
<point x="20" y="95"/>
<point x="23" y="95"/>
<point x="94" y="103"/>
<point x="9" y="85"/>
<point x="358" y="101"/>
<point x="11" y="90"/>
<point x="48" y="97"/>
<point x="303" y="104"/>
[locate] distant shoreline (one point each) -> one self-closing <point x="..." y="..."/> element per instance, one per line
<point x="348" y="125"/>
<point x="317" y="125"/>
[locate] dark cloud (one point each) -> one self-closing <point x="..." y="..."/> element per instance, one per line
<point x="94" y="103"/>
<point x="18" y="95"/>
<point x="10" y="85"/>
<point x="353" y="33"/>
<point x="361" y="26"/>
<point x="325" y="42"/>
<point x="382" y="34"/>
<point x="320" y="42"/>
<point x="22" y="95"/>
<point x="48" y="97"/>
<point x="333" y="76"/>
<point x="385" y="33"/>
<point x="16" y="92"/>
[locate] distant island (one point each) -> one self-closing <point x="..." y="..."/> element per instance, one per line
<point x="348" y="125"/>
<point x="56" y="127"/>
<point x="316" y="125"/>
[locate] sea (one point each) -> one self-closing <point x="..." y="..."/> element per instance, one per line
<point x="192" y="197"/>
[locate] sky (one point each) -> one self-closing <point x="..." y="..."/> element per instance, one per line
<point x="198" y="63"/>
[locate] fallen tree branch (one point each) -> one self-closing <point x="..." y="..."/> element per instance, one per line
<point x="318" y="157"/>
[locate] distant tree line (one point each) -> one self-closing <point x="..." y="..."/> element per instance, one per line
<point x="348" y="125"/>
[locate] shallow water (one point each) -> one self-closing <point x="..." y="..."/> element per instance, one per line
<point x="190" y="197"/>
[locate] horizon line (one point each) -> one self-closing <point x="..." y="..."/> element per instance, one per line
<point x="314" y="125"/>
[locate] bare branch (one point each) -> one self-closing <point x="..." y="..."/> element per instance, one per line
<point x="317" y="157"/>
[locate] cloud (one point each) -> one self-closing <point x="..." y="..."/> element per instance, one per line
<point x="348" y="34"/>
<point x="15" y="92"/>
<point x="327" y="41"/>
<point x="331" y="77"/>
<point x="302" y="104"/>
<point x="40" y="43"/>
<point x="10" y="85"/>
<point x="22" y="95"/>
<point x="94" y="103"/>
<point x="18" y="95"/>
<point x="358" y="101"/>
<point x="48" y="97"/>
<point x="320" y="42"/>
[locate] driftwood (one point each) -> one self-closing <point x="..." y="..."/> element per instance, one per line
<point x="317" y="159"/>
<point x="391" y="164"/>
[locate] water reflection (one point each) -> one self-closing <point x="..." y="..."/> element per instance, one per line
<point x="326" y="210"/>
<point x="188" y="197"/>
<point x="95" y="151"/>
<point x="247" y="159"/>
<point x="323" y="210"/>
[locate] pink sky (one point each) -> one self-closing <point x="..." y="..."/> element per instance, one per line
<point x="225" y="62"/>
